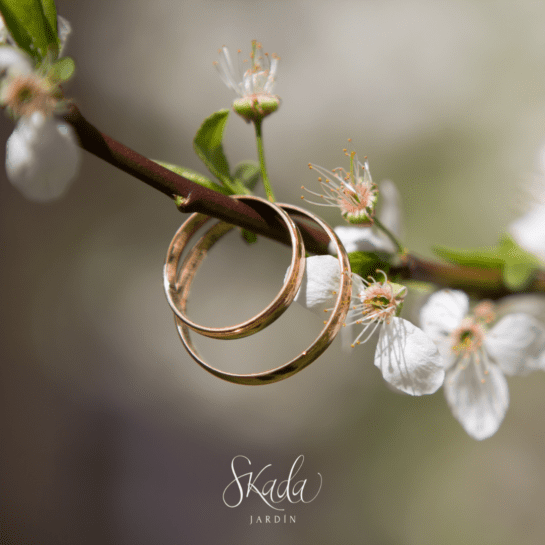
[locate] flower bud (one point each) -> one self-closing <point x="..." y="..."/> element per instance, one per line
<point x="255" y="86"/>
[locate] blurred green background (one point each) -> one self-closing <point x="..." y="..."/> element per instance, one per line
<point x="111" y="434"/>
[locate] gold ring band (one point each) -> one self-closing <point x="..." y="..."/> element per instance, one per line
<point x="178" y="285"/>
<point x="324" y="339"/>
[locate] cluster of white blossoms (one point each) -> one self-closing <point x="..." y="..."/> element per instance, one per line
<point x="453" y="347"/>
<point x="42" y="154"/>
<point x="464" y="351"/>
<point x="253" y="80"/>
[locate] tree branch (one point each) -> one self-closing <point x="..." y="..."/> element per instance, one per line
<point x="480" y="281"/>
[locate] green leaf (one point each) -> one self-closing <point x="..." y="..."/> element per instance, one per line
<point x="517" y="276"/>
<point x="194" y="176"/>
<point x="366" y="263"/>
<point x="478" y="257"/>
<point x="50" y="12"/>
<point x="510" y="250"/>
<point x="247" y="173"/>
<point x="519" y="267"/>
<point x="419" y="287"/>
<point x="248" y="236"/>
<point x="62" y="70"/>
<point x="30" y="27"/>
<point x="208" y="145"/>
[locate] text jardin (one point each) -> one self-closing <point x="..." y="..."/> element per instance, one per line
<point x="276" y="519"/>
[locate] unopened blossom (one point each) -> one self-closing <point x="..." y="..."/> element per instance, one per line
<point x="476" y="356"/>
<point x="353" y="192"/>
<point x="253" y="80"/>
<point x="42" y="155"/>
<point x="406" y="357"/>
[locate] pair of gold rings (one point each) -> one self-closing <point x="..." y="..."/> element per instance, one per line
<point x="178" y="280"/>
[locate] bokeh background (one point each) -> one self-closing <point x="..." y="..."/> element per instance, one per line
<point x="111" y="434"/>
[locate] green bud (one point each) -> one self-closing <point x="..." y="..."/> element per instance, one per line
<point x="256" y="107"/>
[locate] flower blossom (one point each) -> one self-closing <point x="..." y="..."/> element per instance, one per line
<point x="353" y="193"/>
<point x="254" y="86"/>
<point x="407" y="358"/>
<point x="477" y="357"/>
<point x="42" y="155"/>
<point x="371" y="239"/>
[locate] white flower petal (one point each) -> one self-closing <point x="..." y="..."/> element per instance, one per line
<point x="479" y="407"/>
<point x="42" y="157"/>
<point x="534" y="364"/>
<point x="514" y="341"/>
<point x="442" y="314"/>
<point x="227" y="71"/>
<point x="64" y="29"/>
<point x="15" y="61"/>
<point x="532" y="304"/>
<point x="4" y="33"/>
<point x="408" y="359"/>
<point x="528" y="231"/>
<point x="321" y="280"/>
<point x="390" y="211"/>
<point x="362" y="239"/>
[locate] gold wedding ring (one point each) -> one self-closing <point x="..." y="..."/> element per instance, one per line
<point x="178" y="284"/>
<point x="324" y="339"/>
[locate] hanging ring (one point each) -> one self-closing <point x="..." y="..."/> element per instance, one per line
<point x="178" y="285"/>
<point x="324" y="339"/>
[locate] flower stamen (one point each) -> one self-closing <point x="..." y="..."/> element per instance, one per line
<point x="375" y="304"/>
<point x="353" y="193"/>
<point x="29" y="93"/>
<point x="255" y="85"/>
<point x="467" y="339"/>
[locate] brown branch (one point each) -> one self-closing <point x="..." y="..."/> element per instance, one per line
<point x="196" y="198"/>
<point x="481" y="281"/>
